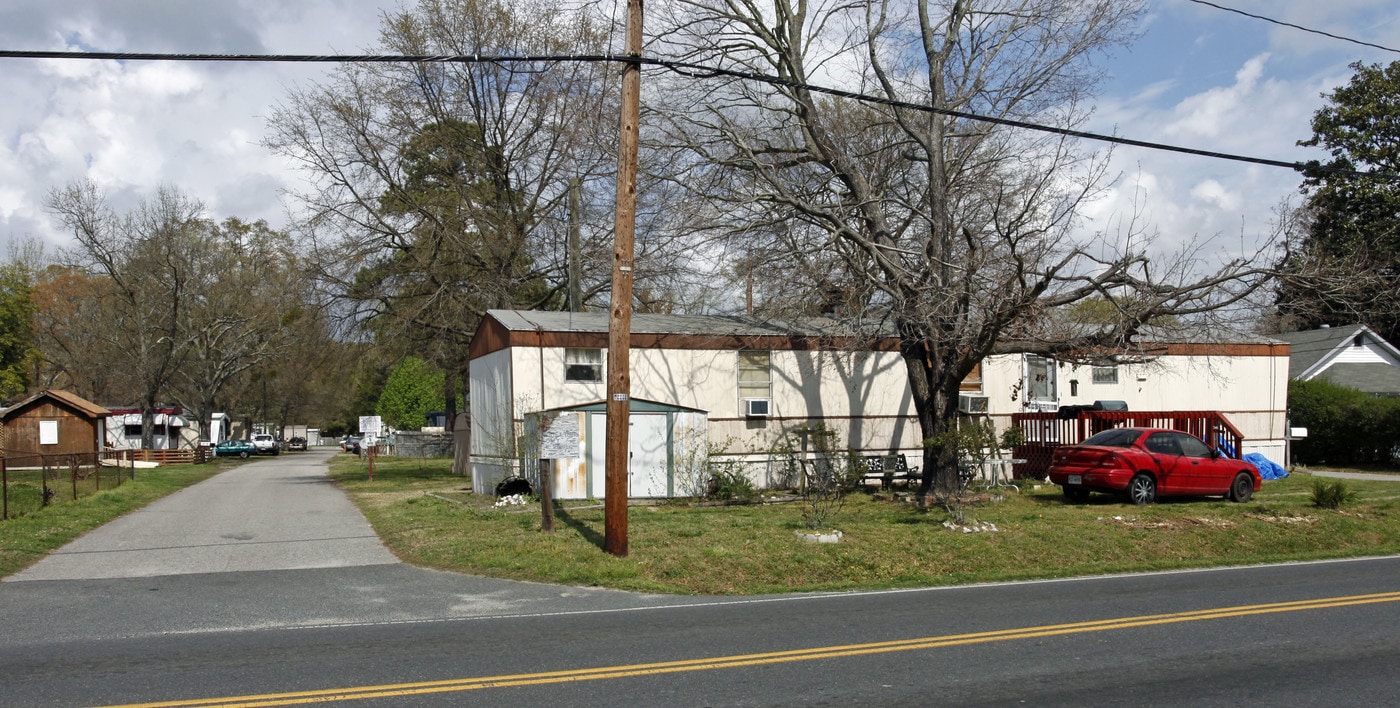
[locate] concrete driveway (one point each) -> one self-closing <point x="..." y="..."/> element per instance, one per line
<point x="275" y="513"/>
<point x="266" y="545"/>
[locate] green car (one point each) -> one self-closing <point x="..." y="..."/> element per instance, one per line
<point x="235" y="448"/>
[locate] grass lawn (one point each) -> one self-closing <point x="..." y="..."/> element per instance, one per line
<point x="429" y="518"/>
<point x="29" y="537"/>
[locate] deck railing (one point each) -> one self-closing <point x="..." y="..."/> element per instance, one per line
<point x="1043" y="432"/>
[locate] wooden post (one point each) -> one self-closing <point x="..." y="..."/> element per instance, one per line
<point x="620" y="315"/>
<point x="547" y="495"/>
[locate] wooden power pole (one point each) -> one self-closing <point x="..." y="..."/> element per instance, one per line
<point x="620" y="316"/>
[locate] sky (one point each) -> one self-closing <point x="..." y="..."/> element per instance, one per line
<point x="1196" y="76"/>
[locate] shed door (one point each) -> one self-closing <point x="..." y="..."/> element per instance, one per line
<point x="646" y="452"/>
<point x="646" y="464"/>
<point x="597" y="454"/>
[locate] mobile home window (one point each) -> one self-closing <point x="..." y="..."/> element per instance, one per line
<point x="583" y="365"/>
<point x="755" y="375"/>
<point x="973" y="381"/>
<point x="1041" y="374"/>
<point x="1105" y="374"/>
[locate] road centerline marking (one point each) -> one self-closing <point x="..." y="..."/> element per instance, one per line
<point x="775" y="657"/>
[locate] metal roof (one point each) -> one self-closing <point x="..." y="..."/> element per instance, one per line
<point x="746" y="326"/>
<point x="646" y="323"/>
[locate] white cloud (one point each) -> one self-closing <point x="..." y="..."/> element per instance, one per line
<point x="133" y="126"/>
<point x="1215" y="195"/>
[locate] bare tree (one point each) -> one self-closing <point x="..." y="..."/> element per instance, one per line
<point x="249" y="306"/>
<point x="440" y="190"/>
<point x="160" y="304"/>
<point x="962" y="235"/>
<point x="148" y="256"/>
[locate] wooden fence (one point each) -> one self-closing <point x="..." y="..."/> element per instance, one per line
<point x="175" y="457"/>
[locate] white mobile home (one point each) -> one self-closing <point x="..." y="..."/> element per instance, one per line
<point x="756" y="382"/>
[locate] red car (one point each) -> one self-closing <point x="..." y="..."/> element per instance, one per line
<point x="1147" y="463"/>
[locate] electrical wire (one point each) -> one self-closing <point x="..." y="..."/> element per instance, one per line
<point x="1281" y="23"/>
<point x="694" y="71"/>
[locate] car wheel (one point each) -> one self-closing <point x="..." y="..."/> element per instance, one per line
<point x="1242" y="488"/>
<point x="1142" y="489"/>
<point x="243" y="455"/>
<point x="1075" y="494"/>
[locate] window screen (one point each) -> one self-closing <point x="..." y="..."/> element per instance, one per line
<point x="755" y="374"/>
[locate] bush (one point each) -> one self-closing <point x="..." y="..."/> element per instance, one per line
<point x="1331" y="494"/>
<point x="1345" y="426"/>
<point x="728" y="482"/>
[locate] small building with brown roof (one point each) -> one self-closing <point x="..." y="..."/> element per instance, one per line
<point x="53" y="422"/>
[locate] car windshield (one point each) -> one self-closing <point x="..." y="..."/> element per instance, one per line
<point x="1118" y="437"/>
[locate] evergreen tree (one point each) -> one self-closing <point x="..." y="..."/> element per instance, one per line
<point x="1351" y="223"/>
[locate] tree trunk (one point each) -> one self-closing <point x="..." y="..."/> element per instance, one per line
<point x="934" y="389"/>
<point x="449" y="394"/>
<point x="148" y="423"/>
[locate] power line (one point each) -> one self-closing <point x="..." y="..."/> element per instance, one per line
<point x="694" y="71"/>
<point x="1297" y="27"/>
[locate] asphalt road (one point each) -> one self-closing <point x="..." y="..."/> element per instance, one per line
<point x="349" y="624"/>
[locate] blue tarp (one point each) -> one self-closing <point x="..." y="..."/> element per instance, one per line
<point x="1267" y="469"/>
<point x="1225" y="447"/>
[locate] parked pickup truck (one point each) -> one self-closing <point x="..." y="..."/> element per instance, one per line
<point x="266" y="444"/>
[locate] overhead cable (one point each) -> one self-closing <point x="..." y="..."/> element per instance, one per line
<point x="1281" y="23"/>
<point x="694" y="70"/>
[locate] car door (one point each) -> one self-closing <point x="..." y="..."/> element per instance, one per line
<point x="1173" y="470"/>
<point x="1210" y="474"/>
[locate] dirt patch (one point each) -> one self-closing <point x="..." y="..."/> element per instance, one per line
<point x="1169" y="524"/>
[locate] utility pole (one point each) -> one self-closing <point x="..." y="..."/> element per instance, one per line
<point x="615" y="483"/>
<point x="575" y="267"/>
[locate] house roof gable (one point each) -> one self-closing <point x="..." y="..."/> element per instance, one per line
<point x="64" y="398"/>
<point x="1314" y="350"/>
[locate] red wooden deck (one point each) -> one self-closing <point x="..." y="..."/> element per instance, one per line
<point x="1046" y="431"/>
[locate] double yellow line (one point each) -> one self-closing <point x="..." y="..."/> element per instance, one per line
<point x="777" y="657"/>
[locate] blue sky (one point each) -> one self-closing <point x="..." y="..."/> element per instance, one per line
<point x="1197" y="76"/>
<point x="1214" y="80"/>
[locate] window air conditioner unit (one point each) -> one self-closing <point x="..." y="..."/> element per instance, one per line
<point x="972" y="405"/>
<point x="756" y="407"/>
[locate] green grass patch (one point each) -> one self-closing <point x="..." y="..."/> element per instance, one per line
<point x="430" y="518"/>
<point x="39" y="530"/>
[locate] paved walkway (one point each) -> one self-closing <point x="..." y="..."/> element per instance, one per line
<point x="276" y="513"/>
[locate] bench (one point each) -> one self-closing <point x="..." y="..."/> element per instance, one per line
<point x="886" y="470"/>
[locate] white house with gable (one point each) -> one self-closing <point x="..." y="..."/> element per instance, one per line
<point x="1353" y="356"/>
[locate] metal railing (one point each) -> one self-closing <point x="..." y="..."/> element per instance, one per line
<point x="1043" y="432"/>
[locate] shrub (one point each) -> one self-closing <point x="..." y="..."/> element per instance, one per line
<point x="1331" y="494"/>
<point x="728" y="482"/>
<point x="1345" y="426"/>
